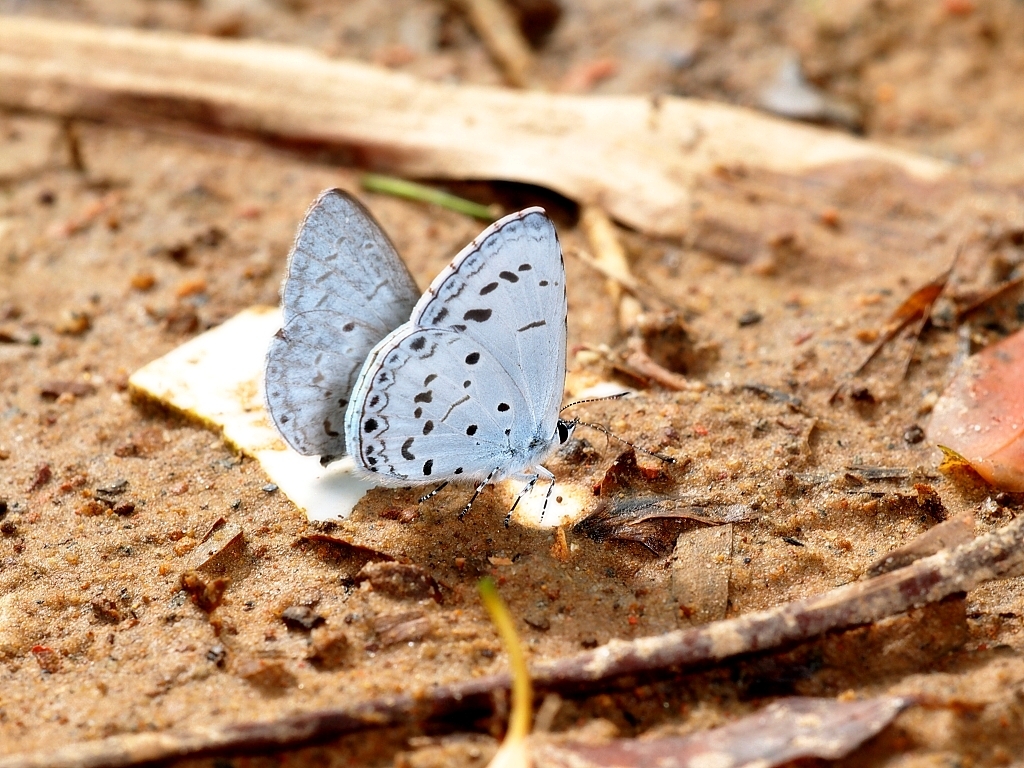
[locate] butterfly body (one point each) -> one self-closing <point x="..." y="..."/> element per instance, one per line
<point x="468" y="388"/>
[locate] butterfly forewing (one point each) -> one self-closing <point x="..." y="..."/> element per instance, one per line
<point x="473" y="383"/>
<point x="345" y="290"/>
<point x="506" y="289"/>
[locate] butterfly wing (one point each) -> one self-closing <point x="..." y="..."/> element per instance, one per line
<point x="474" y="381"/>
<point x="346" y="289"/>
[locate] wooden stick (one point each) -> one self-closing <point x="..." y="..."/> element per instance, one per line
<point x="638" y="158"/>
<point x="497" y="28"/>
<point x="925" y="581"/>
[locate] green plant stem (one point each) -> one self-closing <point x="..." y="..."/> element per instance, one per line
<point x="389" y="185"/>
<point x="522" y="687"/>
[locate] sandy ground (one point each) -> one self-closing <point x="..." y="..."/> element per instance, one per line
<point x="118" y="251"/>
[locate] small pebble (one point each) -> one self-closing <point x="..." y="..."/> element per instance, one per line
<point x="750" y="317"/>
<point x="115" y="488"/>
<point x="217" y="654"/>
<point x="330" y="648"/>
<point x="269" y="488"/>
<point x="913" y="434"/>
<point x="73" y="323"/>
<point x="143" y="281"/>
<point x="301" y="617"/>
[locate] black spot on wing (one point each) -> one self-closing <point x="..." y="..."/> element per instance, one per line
<point x="417" y="413"/>
<point x="534" y="324"/>
<point x="348" y="327"/>
<point x="428" y="467"/>
<point x="428" y="427"/>
<point x="512" y="277"/>
<point x="370" y="425"/>
<point x="502" y="407"/>
<point x="525" y="267"/>
<point x="329" y="429"/>
<point x="472" y="358"/>
<point x="429" y="379"/>
<point x="471" y="429"/>
<point x="488" y="288"/>
<point x="477" y="315"/>
<point x="406" y="453"/>
<point x="543" y="283"/>
<point x="424" y="397"/>
<point x="418" y="343"/>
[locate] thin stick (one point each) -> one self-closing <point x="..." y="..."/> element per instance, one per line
<point x="494" y="23"/>
<point x="639" y="363"/>
<point x="925" y="581"/>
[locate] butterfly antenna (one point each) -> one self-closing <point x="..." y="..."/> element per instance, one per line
<point x="434" y="492"/>
<point x="609" y="433"/>
<point x="596" y="400"/>
<point x="465" y="509"/>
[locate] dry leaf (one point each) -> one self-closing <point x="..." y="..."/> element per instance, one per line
<point x="787" y="730"/>
<point x="980" y="416"/>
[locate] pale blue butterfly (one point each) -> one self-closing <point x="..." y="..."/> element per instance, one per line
<point x="464" y="384"/>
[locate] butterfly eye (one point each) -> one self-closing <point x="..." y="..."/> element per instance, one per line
<point x="565" y="429"/>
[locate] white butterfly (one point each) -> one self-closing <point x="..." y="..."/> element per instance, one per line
<point x="464" y="385"/>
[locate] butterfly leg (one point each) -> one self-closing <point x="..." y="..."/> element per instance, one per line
<point x="434" y="492"/>
<point x="551" y="486"/>
<point x="532" y="481"/>
<point x="465" y="509"/>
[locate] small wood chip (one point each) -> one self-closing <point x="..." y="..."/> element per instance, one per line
<point x="399" y="580"/>
<point x="404" y="627"/>
<point x="51" y="390"/>
<point x="221" y="545"/>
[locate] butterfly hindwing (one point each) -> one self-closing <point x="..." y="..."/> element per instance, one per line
<point x="346" y="289"/>
<point x="444" y="420"/>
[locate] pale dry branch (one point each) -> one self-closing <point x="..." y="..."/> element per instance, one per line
<point x="638" y="158"/>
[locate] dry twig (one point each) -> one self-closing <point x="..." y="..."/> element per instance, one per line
<point x="640" y="158"/>
<point x="497" y="28"/>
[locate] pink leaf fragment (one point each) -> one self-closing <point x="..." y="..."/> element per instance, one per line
<point x="981" y="413"/>
<point x="786" y="730"/>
